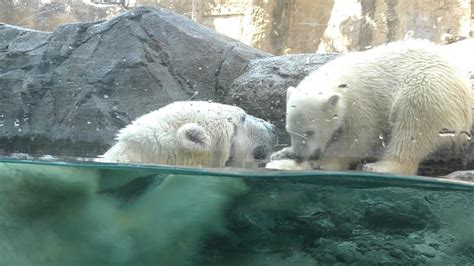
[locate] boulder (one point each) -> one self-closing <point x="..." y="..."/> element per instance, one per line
<point x="69" y="91"/>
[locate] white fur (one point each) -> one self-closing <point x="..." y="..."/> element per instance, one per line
<point x="55" y="215"/>
<point x="407" y="89"/>
<point x="160" y="136"/>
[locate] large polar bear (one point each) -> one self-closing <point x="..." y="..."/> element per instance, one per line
<point x="194" y="134"/>
<point x="407" y="97"/>
<point x="55" y="215"/>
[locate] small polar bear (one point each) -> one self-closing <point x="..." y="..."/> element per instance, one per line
<point x="57" y="215"/>
<point x="407" y="98"/>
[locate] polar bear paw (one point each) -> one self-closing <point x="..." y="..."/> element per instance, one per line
<point x="390" y="167"/>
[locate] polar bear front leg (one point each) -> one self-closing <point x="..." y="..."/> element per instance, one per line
<point x="342" y="153"/>
<point x="406" y="148"/>
<point x="402" y="155"/>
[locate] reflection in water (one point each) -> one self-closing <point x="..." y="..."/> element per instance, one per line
<point x="58" y="213"/>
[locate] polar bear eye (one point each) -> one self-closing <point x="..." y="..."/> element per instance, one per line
<point x="309" y="133"/>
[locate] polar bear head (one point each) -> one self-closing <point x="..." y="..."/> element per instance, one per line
<point x="312" y="119"/>
<point x="194" y="133"/>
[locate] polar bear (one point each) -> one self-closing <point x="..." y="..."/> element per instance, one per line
<point x="194" y="133"/>
<point x="56" y="215"/>
<point x="406" y="98"/>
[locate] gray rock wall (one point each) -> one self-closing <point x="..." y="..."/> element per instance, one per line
<point x="83" y="82"/>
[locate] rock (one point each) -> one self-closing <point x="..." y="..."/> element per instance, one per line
<point x="399" y="216"/>
<point x="360" y="25"/>
<point x="78" y="85"/>
<point x="426" y="250"/>
<point x="278" y="27"/>
<point x="462" y="175"/>
<point x="308" y="26"/>
<point x="47" y="15"/>
<point x="335" y="223"/>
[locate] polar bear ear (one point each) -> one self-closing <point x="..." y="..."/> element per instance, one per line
<point x="192" y="136"/>
<point x="331" y="102"/>
<point x="290" y="90"/>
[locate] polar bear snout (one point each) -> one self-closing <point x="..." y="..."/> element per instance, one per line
<point x="254" y="140"/>
<point x="266" y="138"/>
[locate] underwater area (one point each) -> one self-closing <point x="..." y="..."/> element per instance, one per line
<point x="279" y="218"/>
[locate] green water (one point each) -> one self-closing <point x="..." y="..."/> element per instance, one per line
<point x="89" y="213"/>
